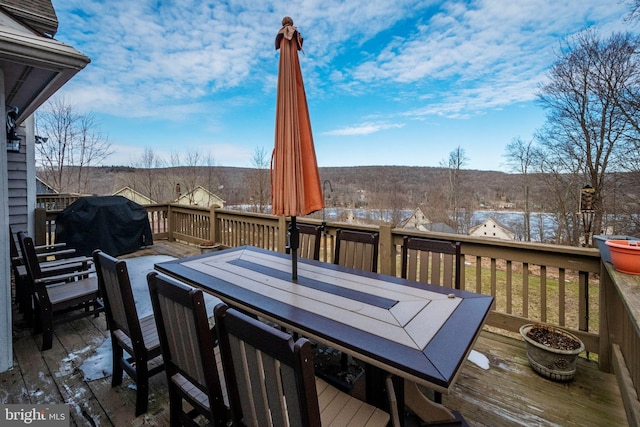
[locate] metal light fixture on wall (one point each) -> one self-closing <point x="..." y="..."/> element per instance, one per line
<point x="13" y="140"/>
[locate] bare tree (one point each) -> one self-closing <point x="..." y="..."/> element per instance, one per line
<point x="146" y="178"/>
<point x="563" y="181"/>
<point x="259" y="186"/>
<point x="521" y="158"/>
<point x="71" y="143"/>
<point x="191" y="173"/>
<point x="457" y="159"/>
<point x="586" y="132"/>
<point x="212" y="180"/>
<point x="634" y="11"/>
<point x="435" y="202"/>
<point x="387" y="207"/>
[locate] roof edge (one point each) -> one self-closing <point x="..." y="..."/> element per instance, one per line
<point x="45" y="25"/>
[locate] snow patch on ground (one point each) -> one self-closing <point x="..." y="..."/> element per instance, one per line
<point x="479" y="359"/>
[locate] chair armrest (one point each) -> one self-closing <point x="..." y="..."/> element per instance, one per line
<point x="63" y="277"/>
<point x="42" y="248"/>
<point x="57" y="263"/>
<point x="56" y="269"/>
<point x="44" y="255"/>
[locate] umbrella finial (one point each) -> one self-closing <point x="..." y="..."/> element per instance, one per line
<point x="286" y="21"/>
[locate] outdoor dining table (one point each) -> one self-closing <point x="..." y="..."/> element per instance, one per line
<point x="419" y="333"/>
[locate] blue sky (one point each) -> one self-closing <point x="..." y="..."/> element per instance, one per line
<point x="388" y="83"/>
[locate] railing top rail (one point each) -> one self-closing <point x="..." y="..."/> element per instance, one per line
<point x="230" y="212"/>
<point x="511" y="244"/>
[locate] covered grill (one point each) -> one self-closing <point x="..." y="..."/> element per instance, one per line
<point x="114" y="224"/>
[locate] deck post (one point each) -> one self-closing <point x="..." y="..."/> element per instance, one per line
<point x="387" y="264"/>
<point x="282" y="234"/>
<point x="40" y="227"/>
<point x="606" y="307"/>
<point x="214" y="233"/>
<point x="171" y="222"/>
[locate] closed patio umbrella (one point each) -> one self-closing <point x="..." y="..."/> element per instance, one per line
<point x="295" y="181"/>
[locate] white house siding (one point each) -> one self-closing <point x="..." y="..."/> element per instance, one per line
<point x="134" y="196"/>
<point x="200" y="196"/>
<point x="491" y="228"/>
<point x="18" y="185"/>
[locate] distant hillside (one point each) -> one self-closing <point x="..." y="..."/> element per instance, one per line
<point x="402" y="186"/>
<point x="395" y="187"/>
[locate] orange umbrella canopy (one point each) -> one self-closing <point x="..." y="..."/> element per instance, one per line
<point x="295" y="181"/>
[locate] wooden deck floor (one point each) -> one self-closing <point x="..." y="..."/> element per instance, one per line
<point x="509" y="393"/>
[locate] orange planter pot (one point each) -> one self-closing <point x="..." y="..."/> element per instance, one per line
<point x="625" y="255"/>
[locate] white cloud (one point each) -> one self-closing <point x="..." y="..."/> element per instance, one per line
<point x="210" y="66"/>
<point x="480" y="54"/>
<point x="193" y="49"/>
<point x="227" y="154"/>
<point x="363" y="129"/>
<point x="147" y="53"/>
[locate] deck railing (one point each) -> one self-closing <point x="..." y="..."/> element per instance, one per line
<point x="620" y="335"/>
<point x="530" y="282"/>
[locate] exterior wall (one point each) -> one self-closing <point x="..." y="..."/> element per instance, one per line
<point x="32" y="192"/>
<point x="200" y="197"/>
<point x="134" y="196"/>
<point x="416" y="220"/>
<point x="17" y="184"/>
<point x="492" y="229"/>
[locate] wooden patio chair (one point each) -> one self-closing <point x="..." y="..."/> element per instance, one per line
<point x="187" y="344"/>
<point x="431" y="261"/>
<point x="310" y="239"/>
<point x="271" y="379"/>
<point x="137" y="336"/>
<point x="357" y="249"/>
<point x="74" y="294"/>
<point x="49" y="257"/>
<point x="436" y="262"/>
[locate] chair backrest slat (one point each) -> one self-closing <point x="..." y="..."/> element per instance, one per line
<point x="290" y="390"/>
<point x="182" y="338"/>
<point x="117" y="303"/>
<point x="310" y="238"/>
<point x="115" y="284"/>
<point x="357" y="249"/>
<point x="242" y="385"/>
<point x="437" y="262"/>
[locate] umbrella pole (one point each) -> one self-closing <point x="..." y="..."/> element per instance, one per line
<point x="294" y="242"/>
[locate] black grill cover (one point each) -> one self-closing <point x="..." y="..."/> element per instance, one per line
<point x="113" y="224"/>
